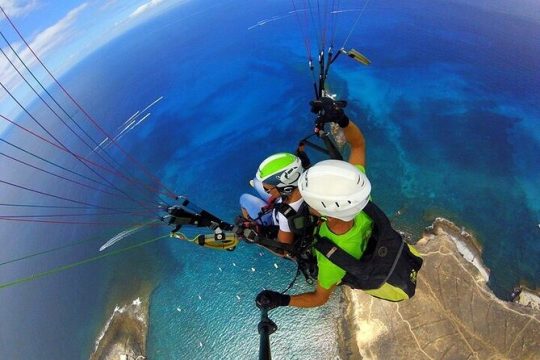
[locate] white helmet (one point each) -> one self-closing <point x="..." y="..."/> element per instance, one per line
<point x="335" y="188"/>
<point x="281" y="170"/>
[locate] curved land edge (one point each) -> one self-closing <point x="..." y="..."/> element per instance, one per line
<point x="454" y="315"/>
<point x="124" y="335"/>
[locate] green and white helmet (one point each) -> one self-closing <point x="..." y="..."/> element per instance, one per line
<point x="281" y="170"/>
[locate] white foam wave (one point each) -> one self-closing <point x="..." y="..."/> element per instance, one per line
<point x="272" y="19"/>
<point x="345" y="11"/>
<point x="133" y="121"/>
<point x="119" y="310"/>
<point x="101" y="144"/>
<point x="141" y="120"/>
<point x="470" y="255"/>
<point x="105" y="328"/>
<point x="130" y="118"/>
<point x="120" y="236"/>
<point x="297" y="11"/>
<point x="152" y="104"/>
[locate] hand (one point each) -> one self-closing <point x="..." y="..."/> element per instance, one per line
<point x="268" y="299"/>
<point x="329" y="111"/>
<point x="246" y="233"/>
<point x="249" y="235"/>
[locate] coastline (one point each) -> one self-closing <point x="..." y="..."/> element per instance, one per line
<point x="467" y="245"/>
<point x="125" y="332"/>
<point x="454" y="314"/>
<point x="529" y="298"/>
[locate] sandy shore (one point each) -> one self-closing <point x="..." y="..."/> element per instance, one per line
<point x="454" y="315"/>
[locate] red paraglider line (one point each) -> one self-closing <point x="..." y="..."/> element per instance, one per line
<point x="307" y="41"/>
<point x="118" y="212"/>
<point x="94" y="122"/>
<point x="61" y="145"/>
<point x="58" y="176"/>
<point x="146" y="187"/>
<point x="56" y="196"/>
<point x="79" y="157"/>
<point x="77" y="222"/>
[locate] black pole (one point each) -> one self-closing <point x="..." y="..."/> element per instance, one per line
<point x="328" y="62"/>
<point x="266" y="328"/>
<point x="196" y="216"/>
<point x="322" y="78"/>
<point x="316" y="147"/>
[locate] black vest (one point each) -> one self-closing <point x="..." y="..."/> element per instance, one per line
<point x="387" y="257"/>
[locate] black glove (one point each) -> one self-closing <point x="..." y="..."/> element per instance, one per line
<point x="246" y="229"/>
<point x="329" y="111"/>
<point x="268" y="299"/>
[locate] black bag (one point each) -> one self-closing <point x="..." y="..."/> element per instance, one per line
<point x="387" y="258"/>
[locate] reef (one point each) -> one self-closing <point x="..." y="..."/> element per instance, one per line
<point x="454" y="314"/>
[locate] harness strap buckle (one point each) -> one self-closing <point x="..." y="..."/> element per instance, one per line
<point x="331" y="252"/>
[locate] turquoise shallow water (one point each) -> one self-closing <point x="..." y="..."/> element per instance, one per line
<point x="206" y="305"/>
<point x="452" y="130"/>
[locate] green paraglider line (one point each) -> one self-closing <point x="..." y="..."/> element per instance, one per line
<point x="78" y="263"/>
<point x="93" y="238"/>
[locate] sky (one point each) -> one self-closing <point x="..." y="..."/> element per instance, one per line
<point x="62" y="33"/>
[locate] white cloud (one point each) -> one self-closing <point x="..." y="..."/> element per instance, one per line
<point x="56" y="34"/>
<point x="43" y="43"/>
<point x="107" y="4"/>
<point x="16" y="8"/>
<point x="145" y="7"/>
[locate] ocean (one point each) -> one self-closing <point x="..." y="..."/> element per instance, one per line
<point x="449" y="109"/>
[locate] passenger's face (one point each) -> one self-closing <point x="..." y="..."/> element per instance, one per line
<point x="270" y="189"/>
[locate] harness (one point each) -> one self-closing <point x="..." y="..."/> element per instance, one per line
<point x="387" y="258"/>
<point x="301" y="223"/>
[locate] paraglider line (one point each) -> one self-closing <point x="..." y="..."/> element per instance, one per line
<point x="152" y="190"/>
<point x="74" y="215"/>
<point x="54" y="196"/>
<point x="78" y="263"/>
<point x="58" y="176"/>
<point x="355" y="23"/>
<point x="74" y="222"/>
<point x="81" y="159"/>
<point x="51" y="250"/>
<point x="52" y="163"/>
<point x="94" y="122"/>
<point x="307" y="42"/>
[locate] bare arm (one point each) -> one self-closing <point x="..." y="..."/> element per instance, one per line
<point x="358" y="144"/>
<point x="285" y="237"/>
<point x="312" y="299"/>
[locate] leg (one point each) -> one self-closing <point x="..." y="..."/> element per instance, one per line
<point x="251" y="206"/>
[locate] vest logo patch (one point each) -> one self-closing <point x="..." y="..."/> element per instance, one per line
<point x="383" y="251"/>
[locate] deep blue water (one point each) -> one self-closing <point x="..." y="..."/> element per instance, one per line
<point x="449" y="109"/>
